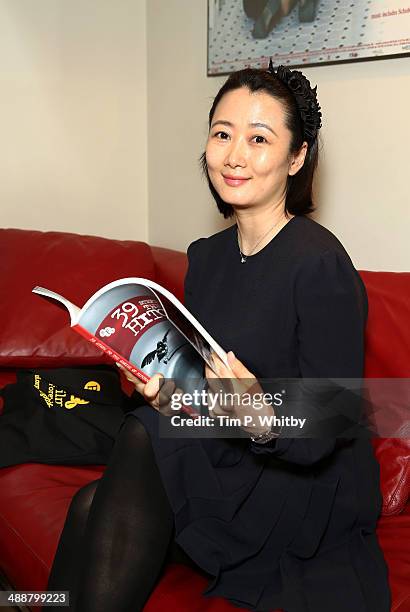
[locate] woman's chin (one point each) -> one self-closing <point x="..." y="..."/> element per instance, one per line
<point x="238" y="203"/>
<point x="234" y="199"/>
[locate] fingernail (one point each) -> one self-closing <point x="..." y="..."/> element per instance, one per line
<point x="232" y="354"/>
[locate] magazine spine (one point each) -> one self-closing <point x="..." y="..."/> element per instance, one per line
<point x="121" y="361"/>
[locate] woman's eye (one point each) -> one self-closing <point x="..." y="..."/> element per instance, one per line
<point x="222" y="133"/>
<point x="262" y="137"/>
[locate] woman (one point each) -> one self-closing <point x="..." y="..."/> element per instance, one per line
<point x="275" y="522"/>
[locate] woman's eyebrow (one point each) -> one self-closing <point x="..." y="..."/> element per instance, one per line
<point x="264" y="125"/>
<point x="254" y="124"/>
<point x="222" y="122"/>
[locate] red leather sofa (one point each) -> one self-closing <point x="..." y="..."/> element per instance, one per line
<point x="34" y="498"/>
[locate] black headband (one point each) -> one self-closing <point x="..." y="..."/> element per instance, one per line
<point x="305" y="96"/>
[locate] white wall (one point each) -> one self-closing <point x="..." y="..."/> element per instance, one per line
<point x="362" y="186"/>
<point x="73" y="116"/>
<point x="103" y="116"/>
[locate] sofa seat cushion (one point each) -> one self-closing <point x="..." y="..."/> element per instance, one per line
<point x="34" y="501"/>
<point x="37" y="334"/>
<point x="180" y="588"/>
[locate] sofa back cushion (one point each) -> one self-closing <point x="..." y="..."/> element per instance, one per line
<point x="37" y="334"/>
<point x="388" y="329"/>
<point x="387" y="356"/>
<point x="170" y="269"/>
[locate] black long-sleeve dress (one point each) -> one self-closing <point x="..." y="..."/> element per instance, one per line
<point x="290" y="524"/>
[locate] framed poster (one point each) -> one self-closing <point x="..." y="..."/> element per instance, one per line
<point x="243" y="33"/>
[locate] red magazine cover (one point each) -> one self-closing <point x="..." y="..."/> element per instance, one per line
<point x="144" y="328"/>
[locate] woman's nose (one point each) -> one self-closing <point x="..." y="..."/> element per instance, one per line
<point x="236" y="154"/>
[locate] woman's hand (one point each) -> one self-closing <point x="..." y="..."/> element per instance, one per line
<point x="238" y="380"/>
<point x="156" y="392"/>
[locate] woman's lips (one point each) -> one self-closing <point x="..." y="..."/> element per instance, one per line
<point x="234" y="182"/>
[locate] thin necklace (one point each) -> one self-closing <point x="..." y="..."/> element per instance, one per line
<point x="245" y="257"/>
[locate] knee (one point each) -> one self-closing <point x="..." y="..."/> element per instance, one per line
<point x="81" y="502"/>
<point x="133" y="432"/>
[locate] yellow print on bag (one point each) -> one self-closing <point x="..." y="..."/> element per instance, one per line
<point x="57" y="397"/>
<point x="75" y="401"/>
<point x="92" y="385"/>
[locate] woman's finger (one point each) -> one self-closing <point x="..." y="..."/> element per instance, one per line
<point x="167" y="388"/>
<point x="237" y="367"/>
<point x="210" y="373"/>
<point x="220" y="369"/>
<point x="165" y="404"/>
<point x="219" y="410"/>
<point x="127" y="374"/>
<point x="139" y="384"/>
<point x="152" y="387"/>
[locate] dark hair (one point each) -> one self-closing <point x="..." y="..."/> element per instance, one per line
<point x="299" y="186"/>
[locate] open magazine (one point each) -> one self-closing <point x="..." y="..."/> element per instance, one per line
<point x="146" y="329"/>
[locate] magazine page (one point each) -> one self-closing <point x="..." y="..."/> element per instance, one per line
<point x="187" y="329"/>
<point x="175" y="311"/>
<point x="130" y="320"/>
<point x="140" y="324"/>
<point x="73" y="310"/>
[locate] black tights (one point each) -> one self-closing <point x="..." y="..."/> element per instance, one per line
<point x="118" y="535"/>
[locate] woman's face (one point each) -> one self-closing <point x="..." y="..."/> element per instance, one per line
<point x="247" y="151"/>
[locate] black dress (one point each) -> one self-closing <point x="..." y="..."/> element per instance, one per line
<point x="291" y="524"/>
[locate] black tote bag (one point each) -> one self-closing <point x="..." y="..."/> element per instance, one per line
<point x="61" y="416"/>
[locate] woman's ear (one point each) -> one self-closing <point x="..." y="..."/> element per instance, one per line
<point x="297" y="160"/>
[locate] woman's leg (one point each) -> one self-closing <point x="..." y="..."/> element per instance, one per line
<point x="118" y="532"/>
<point x="129" y="528"/>
<point x="64" y="573"/>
